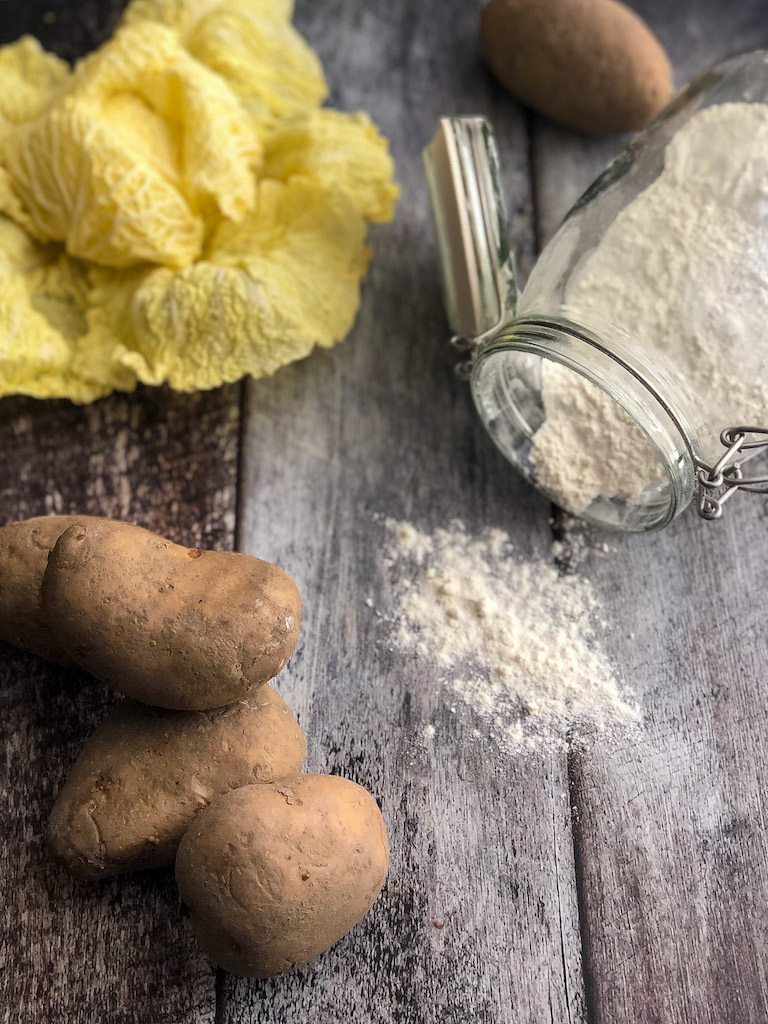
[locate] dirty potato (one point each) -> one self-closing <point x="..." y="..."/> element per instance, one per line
<point x="24" y="550"/>
<point x="592" y="65"/>
<point x="168" y="625"/>
<point x="146" y="772"/>
<point x="275" y="874"/>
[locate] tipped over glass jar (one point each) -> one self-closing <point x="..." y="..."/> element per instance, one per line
<point x="629" y="375"/>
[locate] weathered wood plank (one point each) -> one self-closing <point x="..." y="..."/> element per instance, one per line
<point x="481" y="842"/>
<point x="671" y="836"/>
<point x="67" y="28"/>
<point x="671" y="846"/>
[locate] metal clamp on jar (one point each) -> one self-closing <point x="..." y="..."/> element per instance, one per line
<point x="605" y="416"/>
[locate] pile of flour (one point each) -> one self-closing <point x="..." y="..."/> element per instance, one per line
<point x="684" y="270"/>
<point x="513" y="639"/>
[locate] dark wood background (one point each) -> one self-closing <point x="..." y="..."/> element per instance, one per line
<point x="627" y="884"/>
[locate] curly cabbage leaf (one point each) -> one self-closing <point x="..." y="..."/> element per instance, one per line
<point x="338" y="149"/>
<point x="177" y="209"/>
<point x="45" y="303"/>
<point x="252" y="45"/>
<point x="30" y="78"/>
<point x="122" y="164"/>
<point x="269" y="290"/>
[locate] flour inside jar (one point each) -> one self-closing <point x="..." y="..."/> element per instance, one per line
<point x="683" y="270"/>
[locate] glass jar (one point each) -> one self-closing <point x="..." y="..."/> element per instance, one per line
<point x="612" y="380"/>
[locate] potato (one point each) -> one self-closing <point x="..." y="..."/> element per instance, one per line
<point x="168" y="625"/>
<point x="145" y="773"/>
<point x="590" y="64"/>
<point x="24" y="550"/>
<point x="275" y="874"/>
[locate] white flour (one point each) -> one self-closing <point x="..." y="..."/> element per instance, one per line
<point x="684" y="269"/>
<point x="514" y="640"/>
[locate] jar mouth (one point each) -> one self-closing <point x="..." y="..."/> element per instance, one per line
<point x="615" y="445"/>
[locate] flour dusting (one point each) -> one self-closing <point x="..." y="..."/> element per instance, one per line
<point x="515" y="640"/>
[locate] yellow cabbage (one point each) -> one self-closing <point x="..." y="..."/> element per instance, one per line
<point x="29" y="78"/>
<point x="121" y="165"/>
<point x="252" y="45"/>
<point x="177" y="209"/>
<point x="270" y="289"/>
<point x="45" y="303"/>
<point x="186" y="15"/>
<point x="344" y="150"/>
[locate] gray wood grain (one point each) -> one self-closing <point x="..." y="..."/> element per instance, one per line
<point x="481" y="843"/>
<point x="672" y="827"/>
<point x="672" y="859"/>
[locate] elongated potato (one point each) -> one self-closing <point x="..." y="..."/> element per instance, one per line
<point x="146" y="772"/>
<point x="168" y="625"/>
<point x="274" y="875"/>
<point x="593" y="65"/>
<point x="24" y="550"/>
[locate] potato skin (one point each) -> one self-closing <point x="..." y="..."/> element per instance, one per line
<point x="275" y="874"/>
<point x="172" y="626"/>
<point x="24" y="550"/>
<point x="592" y="65"/>
<point x="146" y="772"/>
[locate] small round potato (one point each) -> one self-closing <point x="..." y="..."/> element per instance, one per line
<point x="24" y="550"/>
<point x="145" y="773"/>
<point x="168" y="625"/>
<point x="274" y="875"/>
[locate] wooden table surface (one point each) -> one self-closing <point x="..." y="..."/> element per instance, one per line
<point x="623" y="885"/>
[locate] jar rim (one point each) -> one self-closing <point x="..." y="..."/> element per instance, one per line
<point x="645" y="391"/>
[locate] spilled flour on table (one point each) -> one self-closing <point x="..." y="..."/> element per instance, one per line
<point x="515" y="640"/>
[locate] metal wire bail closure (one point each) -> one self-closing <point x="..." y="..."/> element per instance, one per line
<point x="714" y="483"/>
<point x="469" y="348"/>
<point x="726" y="476"/>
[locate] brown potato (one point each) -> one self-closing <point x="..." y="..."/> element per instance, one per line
<point x="168" y="625"/>
<point x="24" y="550"/>
<point x="274" y="875"/>
<point x="590" y="64"/>
<point x="145" y="773"/>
